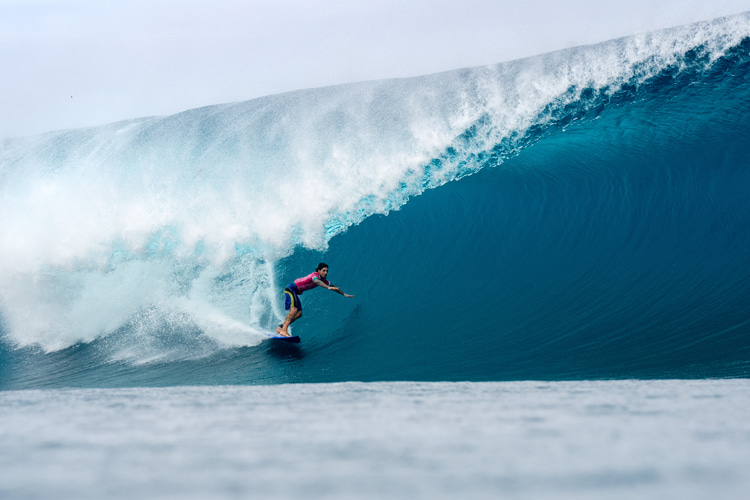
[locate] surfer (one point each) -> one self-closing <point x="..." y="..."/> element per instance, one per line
<point x="295" y="289"/>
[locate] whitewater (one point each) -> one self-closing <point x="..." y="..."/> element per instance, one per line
<point x="550" y="263"/>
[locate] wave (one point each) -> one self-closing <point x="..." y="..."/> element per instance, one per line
<point x="598" y="227"/>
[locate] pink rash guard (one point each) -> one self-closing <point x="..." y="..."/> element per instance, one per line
<point x="307" y="283"/>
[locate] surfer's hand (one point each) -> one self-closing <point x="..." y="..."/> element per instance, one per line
<point x="347" y="295"/>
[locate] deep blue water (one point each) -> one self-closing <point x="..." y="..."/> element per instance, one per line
<point x="503" y="223"/>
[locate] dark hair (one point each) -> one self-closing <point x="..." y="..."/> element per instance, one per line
<point x="321" y="266"/>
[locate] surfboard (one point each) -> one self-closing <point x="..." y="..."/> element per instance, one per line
<point x="294" y="339"/>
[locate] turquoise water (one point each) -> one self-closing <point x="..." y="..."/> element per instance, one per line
<point x="578" y="215"/>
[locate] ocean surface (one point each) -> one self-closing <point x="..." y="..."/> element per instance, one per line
<point x="580" y="219"/>
<point x="579" y="439"/>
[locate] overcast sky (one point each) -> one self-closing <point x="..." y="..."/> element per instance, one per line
<point x="75" y="63"/>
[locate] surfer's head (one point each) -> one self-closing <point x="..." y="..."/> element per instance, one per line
<point x="322" y="270"/>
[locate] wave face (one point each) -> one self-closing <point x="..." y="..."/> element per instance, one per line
<point x="581" y="214"/>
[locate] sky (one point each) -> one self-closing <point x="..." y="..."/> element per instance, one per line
<point x="78" y="63"/>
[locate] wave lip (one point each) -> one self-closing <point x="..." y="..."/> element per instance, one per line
<point x="312" y="162"/>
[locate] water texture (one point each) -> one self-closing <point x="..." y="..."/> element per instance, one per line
<point x="608" y="439"/>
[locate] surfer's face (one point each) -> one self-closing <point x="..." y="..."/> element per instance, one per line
<point x="323" y="272"/>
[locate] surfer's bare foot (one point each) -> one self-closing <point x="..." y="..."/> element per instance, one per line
<point x="282" y="332"/>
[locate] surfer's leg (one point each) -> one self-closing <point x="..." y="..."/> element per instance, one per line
<point x="294" y="306"/>
<point x="294" y="315"/>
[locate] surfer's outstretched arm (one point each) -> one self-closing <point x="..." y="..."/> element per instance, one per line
<point x="338" y="290"/>
<point x="332" y="288"/>
<point x="319" y="279"/>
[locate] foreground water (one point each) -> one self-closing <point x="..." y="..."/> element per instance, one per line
<point x="604" y="439"/>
